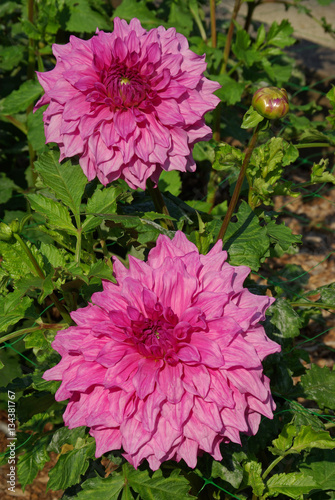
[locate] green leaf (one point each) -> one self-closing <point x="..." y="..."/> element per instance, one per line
<point x="285" y="440"/>
<point x="253" y="477"/>
<point x="231" y="91"/>
<point x="133" y="8"/>
<point x="229" y="469"/>
<point x="245" y="240"/>
<point x="103" y="201"/>
<point x="38" y="402"/>
<point x="16" y="262"/>
<point x="228" y="158"/>
<point x="319" y="385"/>
<point x="35" y="134"/>
<point x="66" y="180"/>
<point x="280" y="35"/>
<point x="32" y="461"/>
<point x="7" y="186"/>
<point x="170" y="181"/>
<point x="320" y="464"/>
<point x="10" y="57"/>
<point x="73" y="460"/>
<point x="54" y="256"/>
<point x="12" y="311"/>
<point x="101" y="270"/>
<point x="57" y="215"/>
<point x="319" y="173"/>
<point x="83" y="18"/>
<point x="285" y="319"/>
<point x="251" y="118"/>
<point x="157" y="487"/>
<point x="20" y="99"/>
<point x="98" y="487"/>
<point x="243" y="51"/>
<point x="293" y="485"/>
<point x="281" y="236"/>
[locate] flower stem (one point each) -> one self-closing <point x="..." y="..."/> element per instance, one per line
<point x="272" y="465"/>
<point x="41" y="275"/>
<point x="24" y="331"/>
<point x="213" y="23"/>
<point x="239" y="183"/>
<point x="226" y="51"/>
<point x="312" y="304"/>
<point x="312" y="145"/>
<point x="78" y="245"/>
<point x="160" y="205"/>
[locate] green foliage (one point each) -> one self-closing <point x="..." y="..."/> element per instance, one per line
<point x="319" y="385"/>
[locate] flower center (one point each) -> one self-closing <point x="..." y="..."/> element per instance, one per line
<point x="119" y="87"/>
<point x="154" y="337"/>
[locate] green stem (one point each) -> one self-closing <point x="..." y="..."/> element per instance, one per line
<point x="40" y="273"/>
<point x="24" y="331"/>
<point x="78" y="243"/>
<point x="239" y="183"/>
<point x="21" y="126"/>
<point x="226" y="51"/>
<point x="272" y="465"/>
<point x="312" y="304"/>
<point x="313" y="145"/>
<point x="213" y="22"/>
<point x="160" y="205"/>
<point x="199" y="24"/>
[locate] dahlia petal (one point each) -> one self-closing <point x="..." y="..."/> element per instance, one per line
<point x="178" y="414"/>
<point x="197" y="380"/>
<point x="208" y="414"/>
<point x="151" y="409"/>
<point x="133" y="435"/>
<point x="188" y="450"/>
<point x="168" y="112"/>
<point x="82" y="381"/>
<point x="144" y="380"/>
<point x="209" y="350"/>
<point x="170" y="383"/>
<point x="106" y="439"/>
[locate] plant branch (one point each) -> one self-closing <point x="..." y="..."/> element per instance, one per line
<point x="226" y="51"/>
<point x="41" y="326"/>
<point x="213" y="23"/>
<point x="272" y="465"/>
<point x="320" y="305"/>
<point x="160" y="205"/>
<point x="41" y="275"/>
<point x="239" y="183"/>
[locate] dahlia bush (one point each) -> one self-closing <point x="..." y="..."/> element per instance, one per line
<point x="130" y="103"/>
<point x="167" y="362"/>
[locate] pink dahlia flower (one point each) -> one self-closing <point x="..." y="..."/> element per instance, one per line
<point x="167" y="362"/>
<point x="130" y="103"/>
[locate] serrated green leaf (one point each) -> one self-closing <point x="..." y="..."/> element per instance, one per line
<point x="101" y="270"/>
<point x="133" y="8"/>
<point x="231" y="471"/>
<point x="285" y="319"/>
<point x="98" y="487"/>
<point x="280" y="34"/>
<point x="71" y="465"/>
<point x="157" y="487"/>
<point x="284" y="440"/>
<point x="319" y="385"/>
<point x="307" y="438"/>
<point x="245" y="240"/>
<point x="102" y="202"/>
<point x="66" y="180"/>
<point x="282" y="236"/>
<point x="293" y="485"/>
<point x="83" y="18"/>
<point x="33" y="460"/>
<point x="251" y="118"/>
<point x="35" y="134"/>
<point x="170" y="181"/>
<point x="320" y="464"/>
<point x="253" y="477"/>
<point x="16" y="262"/>
<point x="228" y="158"/>
<point x="11" y="313"/>
<point x="54" y="256"/>
<point x="57" y="215"/>
<point x="242" y="49"/>
<point x="7" y="186"/>
<point x="34" y="403"/>
<point x="319" y="173"/>
<point x="20" y="99"/>
<point x="10" y="57"/>
<point x="231" y="91"/>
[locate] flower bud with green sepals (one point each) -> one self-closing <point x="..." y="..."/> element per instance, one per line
<point x="271" y="102"/>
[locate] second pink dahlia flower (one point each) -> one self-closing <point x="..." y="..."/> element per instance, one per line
<point x="130" y="103"/>
<point x="167" y="362"/>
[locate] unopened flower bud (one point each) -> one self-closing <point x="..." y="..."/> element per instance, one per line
<point x="271" y="102"/>
<point x="15" y="226"/>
